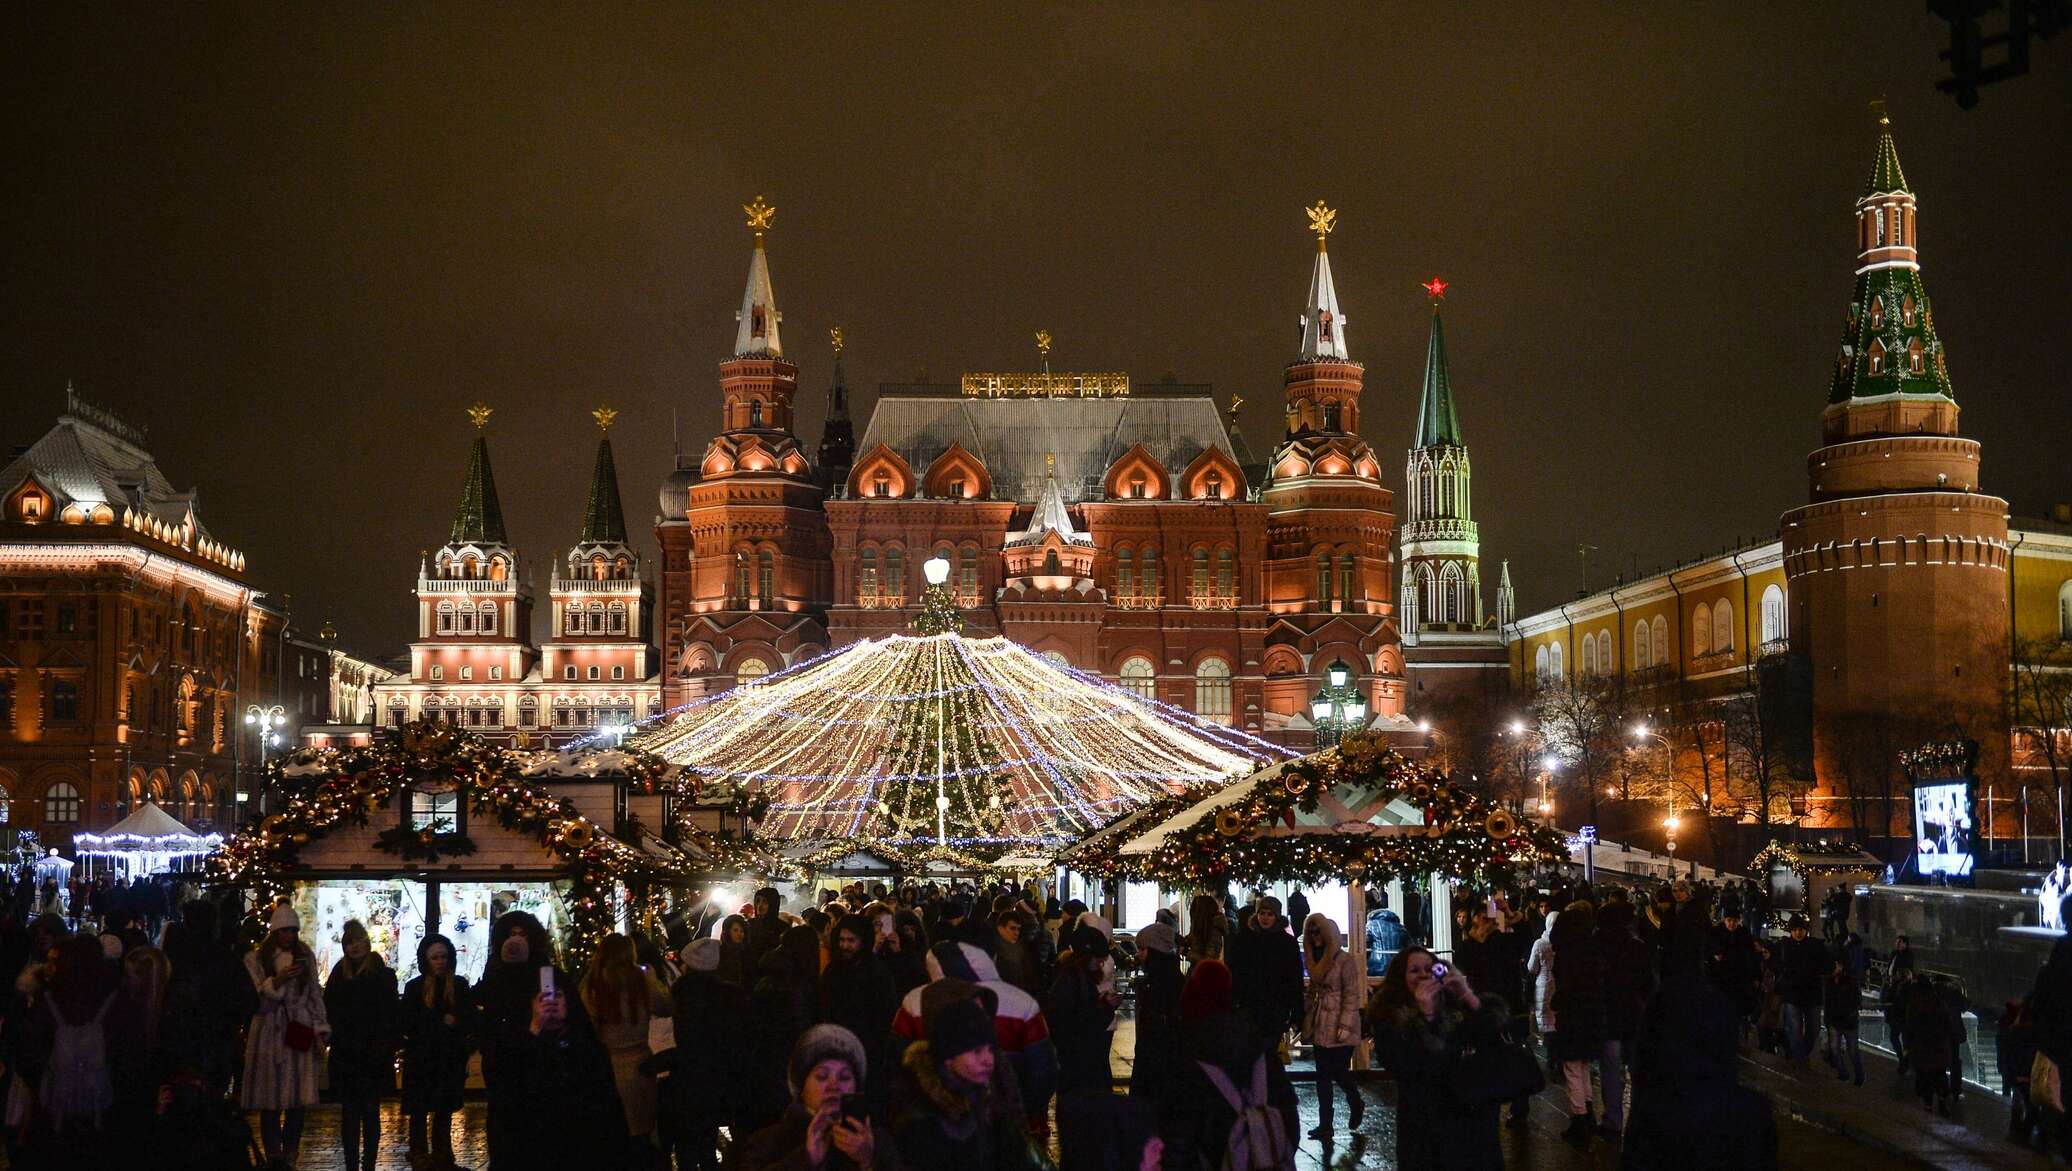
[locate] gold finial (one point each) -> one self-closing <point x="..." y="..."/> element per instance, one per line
<point x="759" y="215"/>
<point x="835" y="335"/>
<point x="1050" y="463"/>
<point x="604" y="417"/>
<point x="1879" y="111"/>
<point x="479" y="414"/>
<point x="1043" y="342"/>
<point x="1321" y="220"/>
<point x="1236" y="401"/>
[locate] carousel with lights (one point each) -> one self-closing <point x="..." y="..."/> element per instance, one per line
<point x="931" y="752"/>
<point x="433" y="829"/>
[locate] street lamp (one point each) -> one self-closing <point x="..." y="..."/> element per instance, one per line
<point x="1645" y="732"/>
<point x="1337" y="706"/>
<point x="267" y="722"/>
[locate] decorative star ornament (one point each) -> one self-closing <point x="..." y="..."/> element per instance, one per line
<point x="1435" y="289"/>
<point x="759" y="215"/>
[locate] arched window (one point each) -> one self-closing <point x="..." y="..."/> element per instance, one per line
<point x="1453" y="591"/>
<point x="464" y="620"/>
<point x="1916" y="359"/>
<point x="1212" y="690"/>
<point x="750" y="670"/>
<point x="1607" y="653"/>
<point x="1200" y="584"/>
<point x="766" y="577"/>
<point x="1056" y="659"/>
<point x="895" y="573"/>
<point x="1324" y="578"/>
<point x="486" y="621"/>
<point x="1663" y="653"/>
<point x="1877" y="357"/>
<point x="596" y="617"/>
<point x="1589" y="654"/>
<point x="1348" y="580"/>
<point x="60" y="804"/>
<point x="1641" y="659"/>
<point x="1554" y="661"/>
<point x="1773" y="614"/>
<point x="1125" y="572"/>
<point x="618" y="617"/>
<point x="1139" y="677"/>
<point x="2065" y="612"/>
<point x="867" y="576"/>
<point x="1701" y="631"/>
<point x="1539" y="665"/>
<point x="445" y="618"/>
<point x="1722" y="626"/>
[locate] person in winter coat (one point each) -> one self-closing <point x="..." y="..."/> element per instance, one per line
<point x="280" y="1074"/>
<point x="1735" y="966"/>
<point x="784" y="1003"/>
<point x="622" y="996"/>
<point x="1022" y="1029"/>
<point x="1080" y="1014"/>
<point x="1581" y="985"/>
<point x="1630" y="981"/>
<point x="208" y="998"/>
<point x="1332" y="1004"/>
<point x="552" y="1103"/>
<point x="1012" y="950"/>
<point x="826" y="1072"/>
<point x="1199" y="1116"/>
<point x="1488" y="960"/>
<point x="1266" y="970"/>
<point x="1802" y="966"/>
<point x="1934" y="1037"/>
<point x="1422" y="1022"/>
<point x="858" y="992"/>
<point x="909" y="964"/>
<point x="1157" y="995"/>
<point x="734" y="965"/>
<point x="955" y="1104"/>
<point x="704" y="1090"/>
<point x="1539" y="967"/>
<point x="1207" y="929"/>
<point x="360" y="1003"/>
<point x="1841" y="1002"/>
<point x="1689" y="1113"/>
<point x="765" y="929"/>
<point x="71" y="1039"/>
<point x="435" y="1025"/>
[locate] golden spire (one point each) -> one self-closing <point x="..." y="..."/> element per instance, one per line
<point x="1321" y="220"/>
<point x="604" y="417"/>
<point x="1043" y="343"/>
<point x="759" y="215"/>
<point x="1879" y="111"/>
<point x="478" y="414"/>
<point x="835" y="335"/>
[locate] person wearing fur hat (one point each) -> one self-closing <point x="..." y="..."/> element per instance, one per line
<point x="826" y="1073"/>
<point x="281" y="1045"/>
<point x="955" y="1104"/>
<point x="705" y="1090"/>
<point x="1023" y="1032"/>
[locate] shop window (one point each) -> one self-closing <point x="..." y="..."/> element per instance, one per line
<point x="438" y="812"/>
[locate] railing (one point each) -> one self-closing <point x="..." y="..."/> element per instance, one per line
<point x="1776" y="646"/>
<point x="1713" y="661"/>
<point x="591" y="585"/>
<point x="1140" y="601"/>
<point x="883" y="601"/>
<point x="468" y="585"/>
<point x="1214" y="601"/>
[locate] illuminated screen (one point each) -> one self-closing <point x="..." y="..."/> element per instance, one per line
<point x="391" y="909"/>
<point x="1942" y="828"/>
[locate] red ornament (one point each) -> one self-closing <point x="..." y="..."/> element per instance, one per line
<point x="1435" y="289"/>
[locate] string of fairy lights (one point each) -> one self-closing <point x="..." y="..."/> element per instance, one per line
<point x="942" y="738"/>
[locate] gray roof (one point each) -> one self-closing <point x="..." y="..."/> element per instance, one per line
<point x="1011" y="436"/>
<point x="90" y="457"/>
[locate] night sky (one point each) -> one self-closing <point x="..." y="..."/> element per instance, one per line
<point x="294" y="242"/>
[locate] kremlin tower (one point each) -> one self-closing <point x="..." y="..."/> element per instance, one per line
<point x="1442" y="575"/>
<point x="602" y="606"/>
<point x="1898" y="562"/>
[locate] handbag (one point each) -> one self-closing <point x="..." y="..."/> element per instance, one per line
<point x="2046" y="1086"/>
<point x="1493" y="1073"/>
<point x="299" y="1037"/>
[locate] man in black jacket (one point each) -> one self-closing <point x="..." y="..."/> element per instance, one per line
<point x="1802" y="964"/>
<point x="1266" y="971"/>
<point x="1491" y="961"/>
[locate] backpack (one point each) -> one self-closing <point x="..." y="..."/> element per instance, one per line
<point x="75" y="1084"/>
<point x="1259" y="1138"/>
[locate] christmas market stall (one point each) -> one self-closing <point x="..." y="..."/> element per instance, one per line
<point x="933" y="754"/>
<point x="1346" y="818"/>
<point x="148" y="841"/>
<point x="1798" y="877"/>
<point x="432" y="829"/>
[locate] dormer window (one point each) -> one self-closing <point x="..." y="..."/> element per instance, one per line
<point x="755" y="414"/>
<point x="1877" y="357"/>
<point x="755" y="321"/>
<point x="1907" y="310"/>
<point x="1916" y="360"/>
<point x="1137" y="486"/>
<point x="882" y="485"/>
<point x="1212" y="485"/>
<point x="438" y="812"/>
<point x="956" y="488"/>
<point x="1877" y="313"/>
<point x="32" y="507"/>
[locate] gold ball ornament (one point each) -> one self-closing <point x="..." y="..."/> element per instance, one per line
<point x="1298" y="783"/>
<point x="577" y="833"/>
<point x="1500" y="825"/>
<point x="1230" y="823"/>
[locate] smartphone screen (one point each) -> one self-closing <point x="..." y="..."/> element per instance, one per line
<point x="547" y="980"/>
<point x="855" y="1106"/>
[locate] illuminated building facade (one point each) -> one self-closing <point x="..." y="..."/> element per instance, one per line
<point x="1121" y="529"/>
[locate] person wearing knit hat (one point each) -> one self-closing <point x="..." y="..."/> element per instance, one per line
<point x="955" y="1104"/>
<point x="1019" y="1024"/>
<point x="702" y="955"/>
<point x="1207" y="991"/>
<point x="826" y="1125"/>
<point x="1200" y="1122"/>
<point x="284" y="918"/>
<point x="1156" y="991"/>
<point x="1158" y="937"/>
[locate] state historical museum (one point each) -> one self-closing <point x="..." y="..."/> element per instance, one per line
<point x="1125" y="530"/>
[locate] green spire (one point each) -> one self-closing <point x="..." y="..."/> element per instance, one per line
<point x="604" y="522"/>
<point x="481" y="519"/>
<point x="1438" y="425"/>
<point x="1886" y="176"/>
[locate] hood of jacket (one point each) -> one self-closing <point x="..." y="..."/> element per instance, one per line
<point x="964" y="961"/>
<point x="1330" y="930"/>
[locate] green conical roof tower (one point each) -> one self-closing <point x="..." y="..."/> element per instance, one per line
<point x="1438" y="424"/>
<point x="480" y="520"/>
<point x="604" y="520"/>
<point x="1889" y="345"/>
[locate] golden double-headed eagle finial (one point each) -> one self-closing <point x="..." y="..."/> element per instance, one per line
<point x="1236" y="401"/>
<point x="478" y="414"/>
<point x="835" y="335"/>
<point x="604" y="417"/>
<point x="1043" y="342"/>
<point x="1321" y="220"/>
<point x="1881" y="112"/>
<point x="759" y="215"/>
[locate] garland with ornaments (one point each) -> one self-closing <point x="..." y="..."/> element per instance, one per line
<point x="352" y="786"/>
<point x="1846" y="858"/>
<point x="1464" y="836"/>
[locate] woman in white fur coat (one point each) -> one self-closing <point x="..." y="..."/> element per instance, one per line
<point x="286" y="1034"/>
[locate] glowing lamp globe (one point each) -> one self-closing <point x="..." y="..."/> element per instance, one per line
<point x="1339" y="673"/>
<point x="936" y="570"/>
<point x="1356" y="710"/>
<point x="1321" y="709"/>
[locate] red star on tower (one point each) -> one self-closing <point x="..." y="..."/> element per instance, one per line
<point x="1435" y="289"/>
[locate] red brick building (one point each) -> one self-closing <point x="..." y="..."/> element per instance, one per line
<point x="1124" y="529"/>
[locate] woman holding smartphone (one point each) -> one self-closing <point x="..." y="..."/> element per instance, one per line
<point x="827" y="1126"/>
<point x="552" y="1103"/>
<point x="1425" y="1014"/>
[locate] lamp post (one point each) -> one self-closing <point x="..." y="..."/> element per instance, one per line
<point x="267" y="721"/>
<point x="1336" y="705"/>
<point x="1669" y="820"/>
